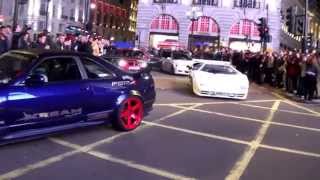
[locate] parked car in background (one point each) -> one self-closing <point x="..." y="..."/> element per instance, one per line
<point x="128" y="59"/>
<point x="176" y="62"/>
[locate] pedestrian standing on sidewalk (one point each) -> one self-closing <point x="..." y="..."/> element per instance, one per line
<point x="311" y="78"/>
<point x="59" y="44"/>
<point x="3" y="41"/>
<point x="42" y="42"/>
<point x="301" y="82"/>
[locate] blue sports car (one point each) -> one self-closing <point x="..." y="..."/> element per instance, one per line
<point x="44" y="92"/>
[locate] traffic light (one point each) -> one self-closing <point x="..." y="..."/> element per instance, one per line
<point x="300" y="27"/>
<point x="309" y="41"/>
<point x="263" y="29"/>
<point x="261" y="26"/>
<point x="289" y="19"/>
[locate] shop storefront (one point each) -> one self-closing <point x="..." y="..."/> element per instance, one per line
<point x="204" y="33"/>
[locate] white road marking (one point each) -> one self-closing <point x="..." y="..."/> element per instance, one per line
<point x="198" y="133"/>
<point x="233" y="140"/>
<point x="242" y="164"/>
<point x="110" y="158"/>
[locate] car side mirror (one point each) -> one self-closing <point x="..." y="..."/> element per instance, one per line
<point x="36" y="80"/>
<point x="189" y="67"/>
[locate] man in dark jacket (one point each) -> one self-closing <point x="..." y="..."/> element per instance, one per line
<point x="59" y="44"/>
<point x="3" y="41"/>
<point x="84" y="45"/>
<point x="42" y="42"/>
<point x="311" y="79"/>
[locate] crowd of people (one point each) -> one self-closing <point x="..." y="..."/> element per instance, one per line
<point x="293" y="71"/>
<point x="21" y="38"/>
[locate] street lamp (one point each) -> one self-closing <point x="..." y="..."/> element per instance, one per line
<point x="193" y="16"/>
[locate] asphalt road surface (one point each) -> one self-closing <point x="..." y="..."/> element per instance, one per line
<point x="184" y="137"/>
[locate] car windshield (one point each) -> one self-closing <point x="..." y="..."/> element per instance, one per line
<point x="12" y="65"/>
<point x="218" y="69"/>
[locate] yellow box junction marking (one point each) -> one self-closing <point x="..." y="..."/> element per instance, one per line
<point x="240" y="166"/>
<point x="131" y="164"/>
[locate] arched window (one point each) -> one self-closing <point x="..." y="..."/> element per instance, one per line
<point x="204" y="24"/>
<point x="165" y="23"/>
<point x="245" y="27"/>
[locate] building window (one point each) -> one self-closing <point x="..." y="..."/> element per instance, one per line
<point x="72" y="12"/>
<point x="80" y="15"/>
<point x="81" y="2"/>
<point x="43" y="8"/>
<point x="205" y="24"/>
<point x="61" y="28"/>
<point x="166" y="1"/>
<point x="54" y="11"/>
<point x="206" y="2"/>
<point x="247" y="4"/>
<point x="235" y="30"/>
<point x="164" y="22"/>
<point x="246" y="27"/>
<point x="41" y="25"/>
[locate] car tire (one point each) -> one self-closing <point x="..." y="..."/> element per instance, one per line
<point x="129" y="115"/>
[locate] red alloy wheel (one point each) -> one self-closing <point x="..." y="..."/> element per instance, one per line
<point x="131" y="113"/>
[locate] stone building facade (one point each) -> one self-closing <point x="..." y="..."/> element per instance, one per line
<point x="222" y="22"/>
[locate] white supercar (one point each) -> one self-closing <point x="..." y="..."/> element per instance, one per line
<point x="178" y="63"/>
<point x="218" y="79"/>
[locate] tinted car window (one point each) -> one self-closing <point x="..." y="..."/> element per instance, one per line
<point x="12" y="65"/>
<point x="181" y="55"/>
<point x="196" y="66"/>
<point x="218" y="69"/>
<point x="95" y="70"/>
<point x="59" y="69"/>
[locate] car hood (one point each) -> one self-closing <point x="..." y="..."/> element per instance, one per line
<point x="221" y="81"/>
